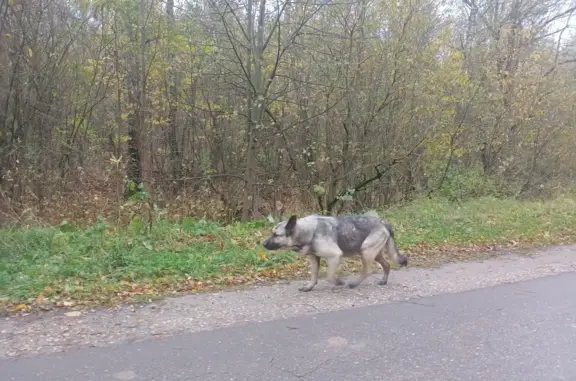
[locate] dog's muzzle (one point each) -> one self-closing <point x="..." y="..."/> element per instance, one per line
<point x="270" y="245"/>
<point x="266" y="243"/>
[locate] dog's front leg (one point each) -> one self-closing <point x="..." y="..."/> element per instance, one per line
<point x="314" y="262"/>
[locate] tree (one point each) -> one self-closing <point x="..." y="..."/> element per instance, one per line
<point x="225" y="109"/>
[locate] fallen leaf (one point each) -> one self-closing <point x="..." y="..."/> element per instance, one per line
<point x="73" y="313"/>
<point x="20" y="307"/>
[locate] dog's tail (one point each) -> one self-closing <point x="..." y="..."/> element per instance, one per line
<point x="392" y="250"/>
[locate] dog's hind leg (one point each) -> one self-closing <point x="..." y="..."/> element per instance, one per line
<point x="331" y="277"/>
<point x="370" y="250"/>
<point x="362" y="277"/>
<point x="385" y="267"/>
<point x="314" y="262"/>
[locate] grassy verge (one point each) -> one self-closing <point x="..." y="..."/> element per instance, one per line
<point x="65" y="266"/>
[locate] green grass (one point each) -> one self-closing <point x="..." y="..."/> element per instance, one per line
<point x="100" y="264"/>
<point x="485" y="220"/>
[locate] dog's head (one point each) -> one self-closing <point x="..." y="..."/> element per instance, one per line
<point x="282" y="235"/>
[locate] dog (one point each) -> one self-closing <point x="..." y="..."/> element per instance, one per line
<point x="332" y="238"/>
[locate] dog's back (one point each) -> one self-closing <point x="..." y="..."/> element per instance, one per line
<point x="350" y="232"/>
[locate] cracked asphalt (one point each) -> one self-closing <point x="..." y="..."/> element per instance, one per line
<point x="508" y="318"/>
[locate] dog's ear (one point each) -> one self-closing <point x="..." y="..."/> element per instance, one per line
<point x="290" y="225"/>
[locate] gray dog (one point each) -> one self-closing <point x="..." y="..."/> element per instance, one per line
<point x="332" y="238"/>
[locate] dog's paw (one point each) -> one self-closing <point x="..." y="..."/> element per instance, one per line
<point x="339" y="282"/>
<point x="353" y="284"/>
<point x="383" y="282"/>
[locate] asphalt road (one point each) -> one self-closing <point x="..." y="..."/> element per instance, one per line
<point x="515" y="332"/>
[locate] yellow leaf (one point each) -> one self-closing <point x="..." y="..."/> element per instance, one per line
<point x="30" y="53"/>
<point x="20" y="307"/>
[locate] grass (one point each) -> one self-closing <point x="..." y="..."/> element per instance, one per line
<point x="98" y="265"/>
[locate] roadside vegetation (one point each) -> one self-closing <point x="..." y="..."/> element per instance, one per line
<point x="101" y="264"/>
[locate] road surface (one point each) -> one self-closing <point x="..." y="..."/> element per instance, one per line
<point x="521" y="331"/>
